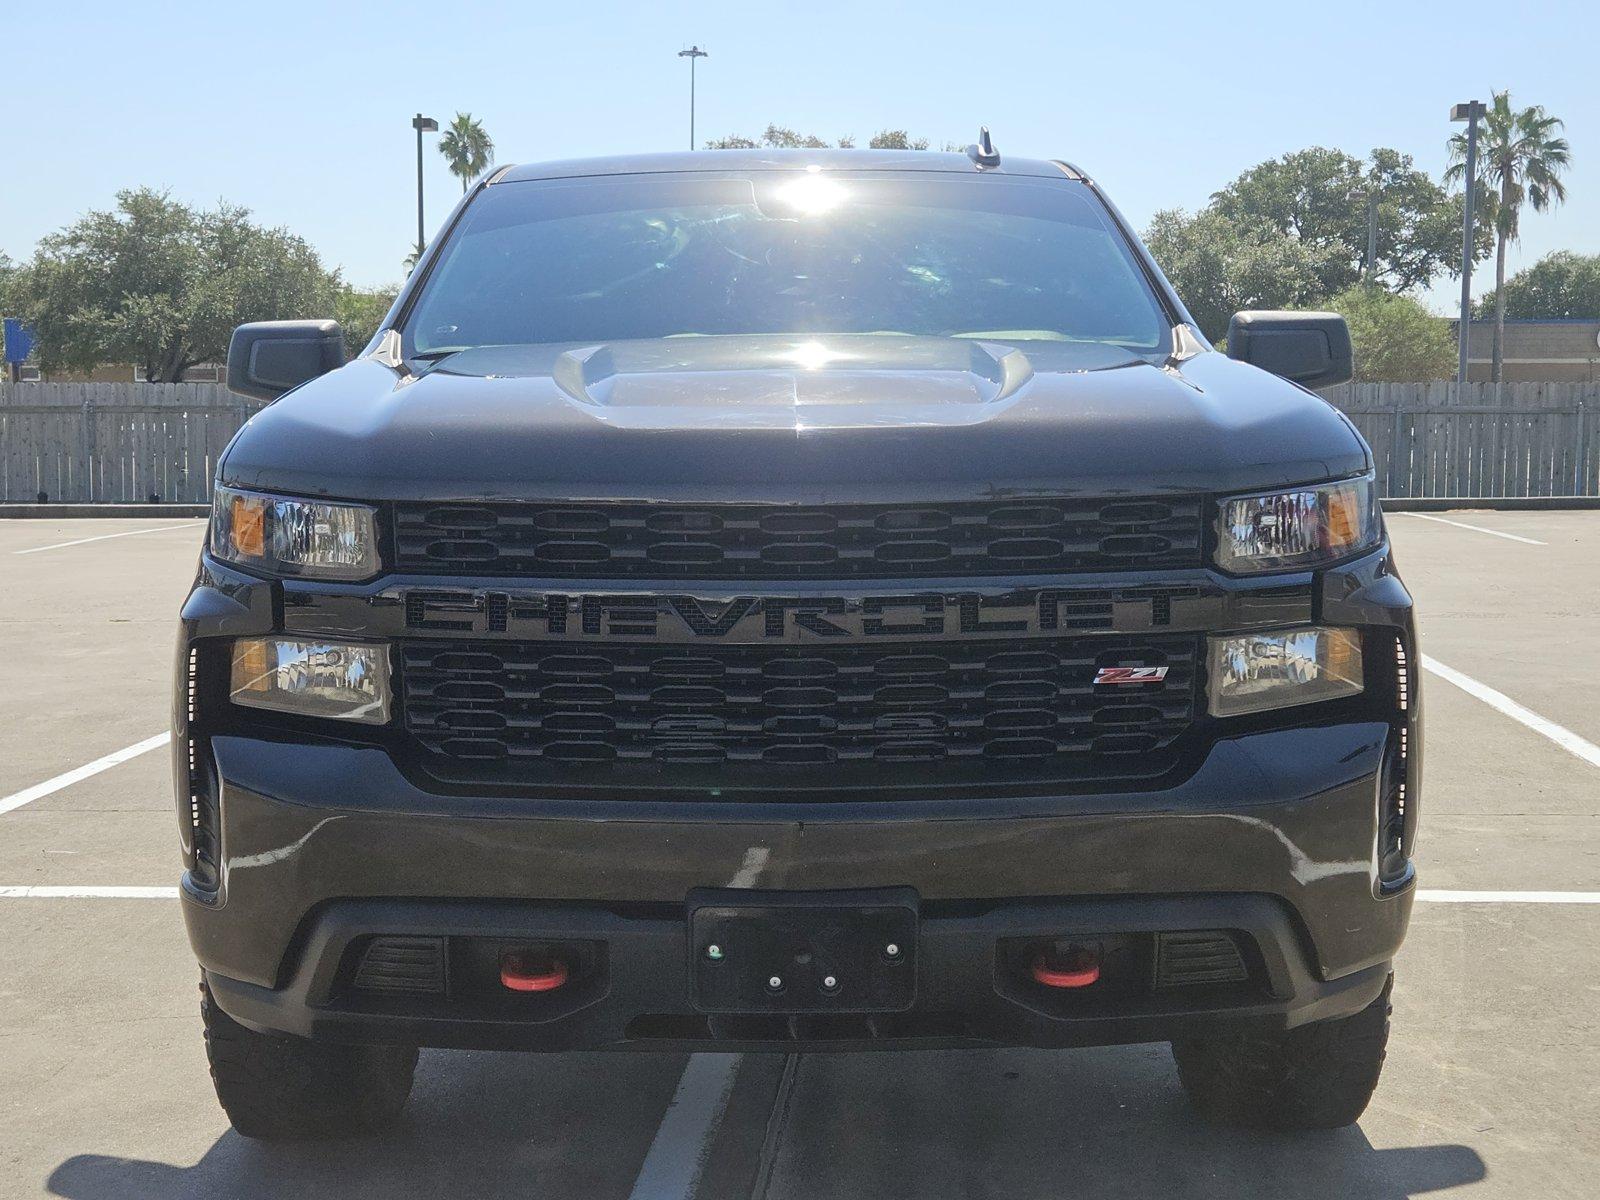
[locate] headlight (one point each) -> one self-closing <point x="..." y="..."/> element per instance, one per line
<point x="342" y="680"/>
<point x="294" y="537"/>
<point x="1250" y="672"/>
<point x="1300" y="528"/>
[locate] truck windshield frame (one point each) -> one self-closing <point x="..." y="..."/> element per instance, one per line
<point x="597" y="259"/>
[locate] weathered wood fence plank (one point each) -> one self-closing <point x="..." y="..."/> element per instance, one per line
<point x="114" y="442"/>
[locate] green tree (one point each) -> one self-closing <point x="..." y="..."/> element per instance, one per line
<point x="160" y="284"/>
<point x="1395" y="337"/>
<point x="1562" y="286"/>
<point x="359" y="312"/>
<point x="779" y="137"/>
<point x="1321" y="197"/>
<point x="896" y="139"/>
<point x="7" y="270"/>
<point x="467" y="148"/>
<point x="1219" y="265"/>
<point x="1521" y="159"/>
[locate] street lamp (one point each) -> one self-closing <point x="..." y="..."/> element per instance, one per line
<point x="1468" y="112"/>
<point x="422" y="125"/>
<point x="692" y="53"/>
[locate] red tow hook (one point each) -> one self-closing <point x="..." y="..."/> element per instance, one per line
<point x="1078" y="968"/>
<point x="529" y="973"/>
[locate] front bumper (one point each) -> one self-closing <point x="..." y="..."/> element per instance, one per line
<point x="1274" y="837"/>
<point x="637" y="995"/>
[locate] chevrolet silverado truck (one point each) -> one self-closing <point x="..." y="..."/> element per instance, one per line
<point x="824" y="600"/>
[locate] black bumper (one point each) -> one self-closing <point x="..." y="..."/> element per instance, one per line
<point x="638" y="996"/>
<point x="1274" y="837"/>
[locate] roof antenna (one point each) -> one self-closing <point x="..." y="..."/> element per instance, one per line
<point x="984" y="154"/>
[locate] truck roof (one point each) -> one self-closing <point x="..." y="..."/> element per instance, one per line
<point x="782" y="160"/>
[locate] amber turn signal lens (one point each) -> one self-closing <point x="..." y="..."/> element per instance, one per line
<point x="252" y="665"/>
<point x="1344" y="517"/>
<point x="248" y="526"/>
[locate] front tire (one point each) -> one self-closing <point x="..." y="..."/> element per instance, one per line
<point x="1319" y="1076"/>
<point x="279" y="1088"/>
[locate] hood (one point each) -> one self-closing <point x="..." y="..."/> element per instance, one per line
<point x="865" y="418"/>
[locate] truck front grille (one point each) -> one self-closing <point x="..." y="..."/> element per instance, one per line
<point x="602" y="714"/>
<point x="756" y="541"/>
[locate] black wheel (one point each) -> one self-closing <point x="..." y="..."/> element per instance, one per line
<point x="291" y="1089"/>
<point x="1319" y="1076"/>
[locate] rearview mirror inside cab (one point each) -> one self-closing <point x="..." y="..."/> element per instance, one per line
<point x="267" y="358"/>
<point x="1310" y="348"/>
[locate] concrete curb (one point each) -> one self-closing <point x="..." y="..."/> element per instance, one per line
<point x="145" y="511"/>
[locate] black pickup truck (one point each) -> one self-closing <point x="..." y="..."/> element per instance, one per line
<point x="808" y="600"/>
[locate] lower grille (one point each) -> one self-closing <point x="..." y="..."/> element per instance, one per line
<point x="1205" y="956"/>
<point x="699" y="716"/>
<point x="402" y="964"/>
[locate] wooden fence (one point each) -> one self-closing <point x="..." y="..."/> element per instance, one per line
<point x="131" y="442"/>
<point x="114" y="442"/>
<point x="1522" y="439"/>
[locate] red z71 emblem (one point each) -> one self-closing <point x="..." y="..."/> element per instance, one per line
<point x="1129" y="675"/>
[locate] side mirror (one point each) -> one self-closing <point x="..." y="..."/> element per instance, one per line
<point x="1311" y="348"/>
<point x="267" y="358"/>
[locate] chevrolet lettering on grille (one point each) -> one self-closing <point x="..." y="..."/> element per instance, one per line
<point x="1020" y="613"/>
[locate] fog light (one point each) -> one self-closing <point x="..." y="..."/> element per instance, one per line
<point x="344" y="681"/>
<point x="1252" y="672"/>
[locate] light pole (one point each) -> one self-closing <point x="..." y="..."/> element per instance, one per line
<point x="692" y="53"/>
<point x="1468" y="112"/>
<point x="422" y="125"/>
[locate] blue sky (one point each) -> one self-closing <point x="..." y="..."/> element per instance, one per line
<point x="302" y="113"/>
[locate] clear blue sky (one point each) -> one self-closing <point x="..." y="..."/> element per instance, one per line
<point x="302" y="113"/>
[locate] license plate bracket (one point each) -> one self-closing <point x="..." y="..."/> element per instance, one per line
<point x="866" y="942"/>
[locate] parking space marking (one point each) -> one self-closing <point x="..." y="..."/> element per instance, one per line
<point x="39" y="790"/>
<point x="1515" y="537"/>
<point x="104" y="537"/>
<point x="42" y="892"/>
<point x="1445" y="896"/>
<point x="1559" y="734"/>
<point x="677" y="1156"/>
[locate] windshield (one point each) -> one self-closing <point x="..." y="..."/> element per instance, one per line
<point x="605" y="259"/>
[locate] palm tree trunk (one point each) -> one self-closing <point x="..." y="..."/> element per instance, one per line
<point x="1499" y="309"/>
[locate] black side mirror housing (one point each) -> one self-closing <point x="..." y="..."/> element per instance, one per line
<point x="1311" y="348"/>
<point x="267" y="358"/>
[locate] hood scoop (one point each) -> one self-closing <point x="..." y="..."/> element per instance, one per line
<point x="768" y="382"/>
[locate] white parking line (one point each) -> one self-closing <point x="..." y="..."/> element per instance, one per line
<point x="677" y="1156"/>
<point x="1559" y="734"/>
<point x="108" y="536"/>
<point x="1436" y="896"/>
<point x="39" y="790"/>
<point x="42" y="892"/>
<point x="1514" y="537"/>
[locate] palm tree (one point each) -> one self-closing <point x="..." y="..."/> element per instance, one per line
<point x="467" y="148"/>
<point x="1520" y="157"/>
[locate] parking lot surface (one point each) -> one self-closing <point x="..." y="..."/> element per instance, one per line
<point x="1490" y="1090"/>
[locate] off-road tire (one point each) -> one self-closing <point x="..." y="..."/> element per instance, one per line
<point x="290" y="1089"/>
<point x="1319" y="1076"/>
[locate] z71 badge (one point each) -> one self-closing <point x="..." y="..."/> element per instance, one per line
<point x="1110" y="675"/>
